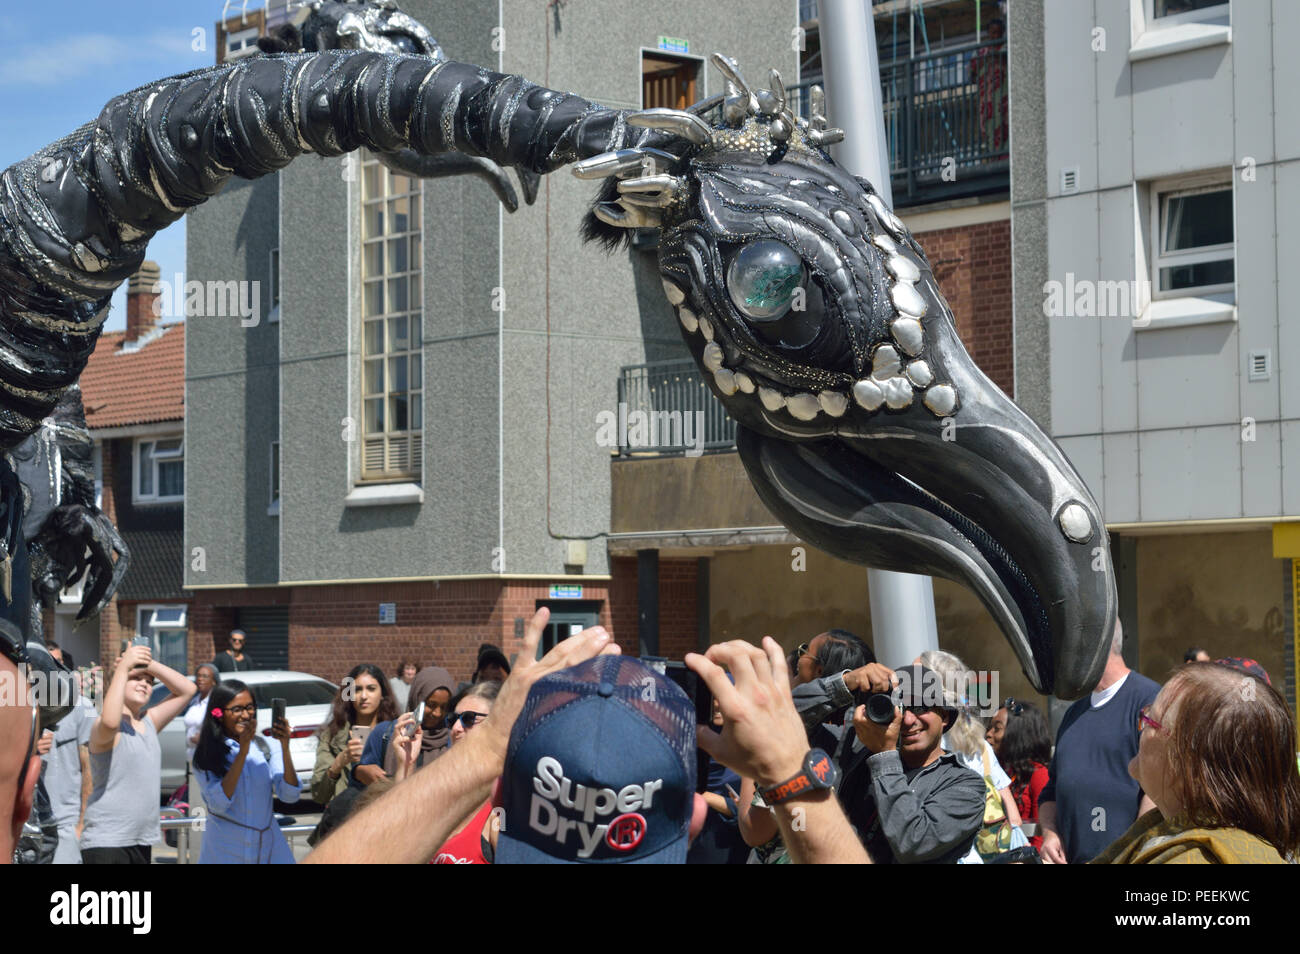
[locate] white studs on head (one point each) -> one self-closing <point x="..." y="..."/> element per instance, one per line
<point x="907" y="300"/>
<point x="803" y="407"/>
<point x="675" y="295"/>
<point x="1075" y="523"/>
<point x="744" y="382"/>
<point x="833" y="403"/>
<point x="885" y="363"/>
<point x="772" y="400"/>
<point x="883" y="242"/>
<point x="712" y="356"/>
<point x="898" y="392"/>
<point x="868" y="394"/>
<point x="920" y="373"/>
<point x="903" y="269"/>
<point x="706" y="328"/>
<point x="726" y="381"/>
<point x="688" y="319"/>
<point x="941" y="399"/>
<point x="907" y="332"/>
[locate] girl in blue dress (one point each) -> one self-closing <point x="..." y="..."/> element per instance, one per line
<point x="240" y="772"/>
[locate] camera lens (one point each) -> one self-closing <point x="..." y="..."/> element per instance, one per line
<point x="880" y="708"/>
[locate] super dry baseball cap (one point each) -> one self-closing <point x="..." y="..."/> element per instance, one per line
<point x="600" y="769"/>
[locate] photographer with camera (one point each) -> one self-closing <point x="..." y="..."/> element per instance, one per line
<point x="909" y="800"/>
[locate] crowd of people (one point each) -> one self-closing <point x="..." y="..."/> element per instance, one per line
<point x="586" y="756"/>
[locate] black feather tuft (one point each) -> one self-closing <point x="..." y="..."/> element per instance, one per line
<point x="287" y="39"/>
<point x="610" y="237"/>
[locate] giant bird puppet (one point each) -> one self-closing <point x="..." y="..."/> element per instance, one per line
<point x="811" y="310"/>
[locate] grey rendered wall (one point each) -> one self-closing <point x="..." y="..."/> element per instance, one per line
<point x="231" y="387"/>
<point x="1153" y="418"/>
<point x="602" y="311"/>
<point x="454" y="529"/>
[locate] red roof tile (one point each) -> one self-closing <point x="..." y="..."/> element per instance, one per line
<point x="121" y="388"/>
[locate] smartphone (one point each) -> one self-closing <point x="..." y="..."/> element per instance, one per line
<point x="141" y="641"/>
<point x="410" y="729"/>
<point x="277" y="711"/>
<point x="697" y="690"/>
<point x="360" y="732"/>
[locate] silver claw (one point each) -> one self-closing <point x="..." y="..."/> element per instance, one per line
<point x="619" y="216"/>
<point x="687" y="125"/>
<point x="825" y="137"/>
<point x="652" y="191"/>
<point x="817" y="106"/>
<point x="778" y="88"/>
<point x="704" y="105"/>
<point x="624" y="162"/>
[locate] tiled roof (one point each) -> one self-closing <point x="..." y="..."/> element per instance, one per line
<point x="143" y="386"/>
<point x="157" y="564"/>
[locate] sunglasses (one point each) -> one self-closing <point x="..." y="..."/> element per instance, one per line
<point x="802" y="650"/>
<point x="468" y="719"/>
<point x="1013" y="708"/>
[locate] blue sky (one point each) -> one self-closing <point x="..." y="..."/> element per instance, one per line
<point x="62" y="60"/>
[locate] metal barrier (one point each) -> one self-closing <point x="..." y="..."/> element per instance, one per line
<point x="666" y="408"/>
<point x="172" y="820"/>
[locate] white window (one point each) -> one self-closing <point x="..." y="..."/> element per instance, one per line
<point x="1193" y="245"/>
<point x="165" y="628"/>
<point x="159" y="470"/>
<point x="241" y="43"/>
<point x="392" y="372"/>
<point x="1162" y="13"/>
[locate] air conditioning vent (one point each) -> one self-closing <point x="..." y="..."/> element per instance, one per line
<point x="1070" y="179"/>
<point x="1260" y="365"/>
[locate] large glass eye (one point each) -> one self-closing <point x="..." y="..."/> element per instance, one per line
<point x="762" y="279"/>
<point x="404" y="42"/>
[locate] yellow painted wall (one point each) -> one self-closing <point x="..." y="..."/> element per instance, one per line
<point x="1220" y="591"/>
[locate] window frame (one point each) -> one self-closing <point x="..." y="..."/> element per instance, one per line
<point x="414" y="316"/>
<point x="145" y="612"/>
<point x="1206" y="15"/>
<point x="141" y="499"/>
<point x="1160" y="192"/>
<point x="241" y="35"/>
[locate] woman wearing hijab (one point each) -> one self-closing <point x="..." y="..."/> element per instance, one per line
<point x="433" y="686"/>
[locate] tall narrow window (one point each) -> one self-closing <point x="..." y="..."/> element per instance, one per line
<point x="392" y="375"/>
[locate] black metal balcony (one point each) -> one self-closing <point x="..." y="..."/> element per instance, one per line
<point x="666" y="409"/>
<point x="946" y="121"/>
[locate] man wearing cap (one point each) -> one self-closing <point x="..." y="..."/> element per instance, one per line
<point x="909" y="800"/>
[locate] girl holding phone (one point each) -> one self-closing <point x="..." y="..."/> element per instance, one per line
<point x="363" y="701"/>
<point x="240" y="773"/>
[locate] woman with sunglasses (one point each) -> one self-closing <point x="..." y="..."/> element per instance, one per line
<point x="471" y="843"/>
<point x="240" y="774"/>
<point x="1216" y="753"/>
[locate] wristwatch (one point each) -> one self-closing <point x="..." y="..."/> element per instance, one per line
<point x="819" y="774"/>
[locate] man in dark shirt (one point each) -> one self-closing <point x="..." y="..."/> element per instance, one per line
<point x="235" y="659"/>
<point x="1091" y="799"/>
<point x="909" y="801"/>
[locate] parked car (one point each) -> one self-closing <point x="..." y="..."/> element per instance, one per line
<point x="307" y="704"/>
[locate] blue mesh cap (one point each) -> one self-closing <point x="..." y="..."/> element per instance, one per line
<point x="600" y="769"/>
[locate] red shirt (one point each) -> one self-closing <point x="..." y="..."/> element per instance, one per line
<point x="1027" y="798"/>
<point x="466" y="848"/>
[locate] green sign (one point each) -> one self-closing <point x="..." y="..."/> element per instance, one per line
<point x="674" y="44"/>
<point x="566" y="591"/>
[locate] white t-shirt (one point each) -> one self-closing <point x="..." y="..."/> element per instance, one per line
<point x="193" y="722"/>
<point x="1099" y="699"/>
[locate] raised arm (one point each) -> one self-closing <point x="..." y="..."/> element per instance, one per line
<point x="182" y="691"/>
<point x="104" y="732"/>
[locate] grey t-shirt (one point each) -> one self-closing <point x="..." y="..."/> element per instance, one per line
<point x="63" y="763"/>
<point x="123" y="808"/>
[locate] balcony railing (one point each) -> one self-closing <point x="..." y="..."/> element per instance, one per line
<point x="665" y="408"/>
<point x="946" y="122"/>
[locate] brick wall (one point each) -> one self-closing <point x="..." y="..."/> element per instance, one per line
<point x="972" y="265"/>
<point x="678" y="621"/>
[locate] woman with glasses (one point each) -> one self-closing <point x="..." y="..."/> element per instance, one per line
<point x="1216" y="753"/>
<point x="240" y="774"/>
<point x="472" y="842"/>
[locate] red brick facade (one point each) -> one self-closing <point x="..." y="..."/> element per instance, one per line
<point x="332" y="628"/>
<point x="972" y="265"/>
